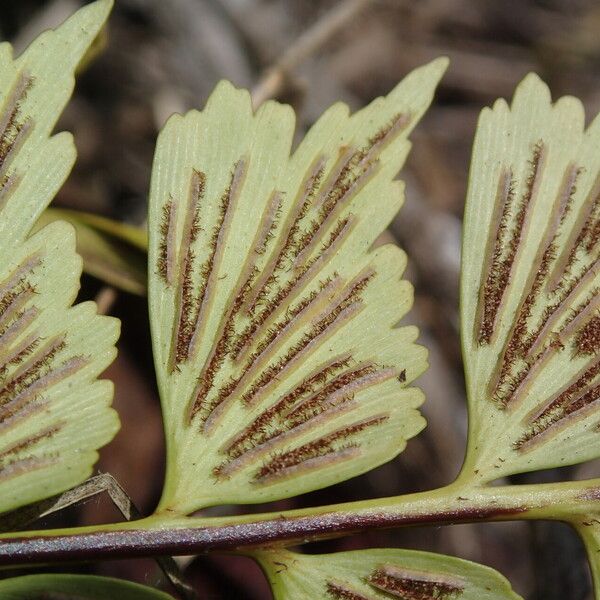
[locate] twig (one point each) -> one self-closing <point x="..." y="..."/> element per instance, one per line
<point x="49" y="16"/>
<point x="273" y="80"/>
<point x="105" y="299"/>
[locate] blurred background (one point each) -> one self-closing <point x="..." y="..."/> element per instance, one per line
<point x="165" y="56"/>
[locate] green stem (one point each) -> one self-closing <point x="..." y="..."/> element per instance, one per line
<point x="165" y="534"/>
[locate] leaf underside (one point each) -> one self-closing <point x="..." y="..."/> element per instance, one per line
<point x="279" y="365"/>
<point x="380" y="574"/>
<point x="54" y="413"/>
<point x="529" y="290"/>
<point x="75" y="587"/>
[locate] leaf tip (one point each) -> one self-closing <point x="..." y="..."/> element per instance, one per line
<point x="100" y="9"/>
<point x="433" y="71"/>
<point x="531" y="89"/>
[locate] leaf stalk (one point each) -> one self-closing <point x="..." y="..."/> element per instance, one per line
<point x="167" y="534"/>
